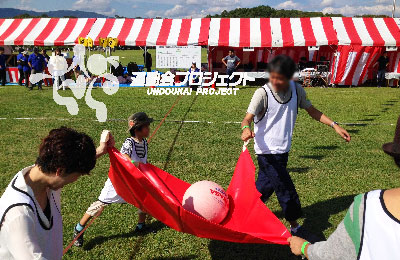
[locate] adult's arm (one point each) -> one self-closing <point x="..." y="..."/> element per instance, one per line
<point x="321" y="117"/>
<point x="18" y="234"/>
<point x="238" y="63"/>
<point x="257" y="106"/>
<point x="224" y="61"/>
<point x="246" y="132"/>
<point x="339" y="245"/>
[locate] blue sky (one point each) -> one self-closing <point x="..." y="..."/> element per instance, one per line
<point x="199" y="8"/>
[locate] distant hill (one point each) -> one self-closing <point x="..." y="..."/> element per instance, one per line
<point x="12" y="13"/>
<point x="268" y="11"/>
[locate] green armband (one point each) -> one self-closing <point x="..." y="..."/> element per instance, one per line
<point x="303" y="248"/>
<point x="244" y="127"/>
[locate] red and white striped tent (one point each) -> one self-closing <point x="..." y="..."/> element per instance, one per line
<point x="353" y="63"/>
<point x="271" y="32"/>
<point x="44" y="31"/>
<point x="152" y="32"/>
<point x="361" y="43"/>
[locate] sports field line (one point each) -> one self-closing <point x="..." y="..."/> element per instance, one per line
<point x="176" y="121"/>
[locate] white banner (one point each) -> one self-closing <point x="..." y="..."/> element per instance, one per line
<point x="180" y="57"/>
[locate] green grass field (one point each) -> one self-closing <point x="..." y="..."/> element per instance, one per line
<point x="327" y="172"/>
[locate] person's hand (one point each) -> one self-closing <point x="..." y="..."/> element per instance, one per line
<point x="136" y="164"/>
<point x="109" y="142"/>
<point x="247" y="134"/>
<point x="295" y="244"/>
<point x="343" y="133"/>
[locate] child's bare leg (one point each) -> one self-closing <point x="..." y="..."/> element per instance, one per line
<point x="85" y="219"/>
<point x="96" y="208"/>
<point x="141" y="221"/>
<point x="142" y="217"/>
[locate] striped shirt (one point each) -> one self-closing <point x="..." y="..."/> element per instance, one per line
<point x="133" y="145"/>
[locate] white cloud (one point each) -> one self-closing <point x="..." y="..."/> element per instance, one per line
<point x="99" y="6"/>
<point x="360" y="10"/>
<point x="288" y="5"/>
<point x="327" y="2"/>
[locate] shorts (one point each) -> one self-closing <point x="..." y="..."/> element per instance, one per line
<point x="107" y="196"/>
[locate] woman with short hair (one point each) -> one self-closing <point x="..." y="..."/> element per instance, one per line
<point x="30" y="208"/>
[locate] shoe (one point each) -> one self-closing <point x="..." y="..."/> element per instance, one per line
<point x="305" y="234"/>
<point x="140" y="228"/>
<point x="79" y="241"/>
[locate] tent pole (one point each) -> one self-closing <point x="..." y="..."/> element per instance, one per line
<point x="394" y="8"/>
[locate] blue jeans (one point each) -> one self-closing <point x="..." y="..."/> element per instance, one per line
<point x="229" y="73"/>
<point x="381" y="78"/>
<point x="274" y="177"/>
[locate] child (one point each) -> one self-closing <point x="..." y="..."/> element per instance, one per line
<point x="274" y="109"/>
<point x="134" y="148"/>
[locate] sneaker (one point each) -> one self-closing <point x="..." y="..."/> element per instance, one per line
<point x="140" y="228"/>
<point x="79" y="241"/>
<point x="305" y="234"/>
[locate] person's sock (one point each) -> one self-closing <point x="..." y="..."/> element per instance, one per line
<point x="140" y="226"/>
<point x="79" y="227"/>
<point x="292" y="229"/>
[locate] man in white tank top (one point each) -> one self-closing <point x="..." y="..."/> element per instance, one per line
<point x="274" y="109"/>
<point x="135" y="148"/>
<point x="370" y="229"/>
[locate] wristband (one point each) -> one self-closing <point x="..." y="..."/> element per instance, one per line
<point x="244" y="127"/>
<point x="303" y="247"/>
<point x="334" y="123"/>
<point x="132" y="161"/>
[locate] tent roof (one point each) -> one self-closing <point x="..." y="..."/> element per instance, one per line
<point x="367" y="31"/>
<point x="152" y="32"/>
<point x="44" y="31"/>
<point x="271" y="32"/>
<point x="232" y="32"/>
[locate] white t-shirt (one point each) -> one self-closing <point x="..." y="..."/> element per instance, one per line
<point x="25" y="231"/>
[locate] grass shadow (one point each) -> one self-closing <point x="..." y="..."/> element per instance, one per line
<point x="326" y="147"/>
<point x="366" y="120"/>
<point x="317" y="215"/>
<point x="313" y="157"/>
<point x="356" y="124"/>
<point x="151" y="228"/>
<point x="353" y="131"/>
<point x="226" y="250"/>
<point x="374" y="115"/>
<point x="299" y="169"/>
<point x="176" y="258"/>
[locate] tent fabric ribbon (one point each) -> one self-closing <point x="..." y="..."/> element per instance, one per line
<point x="160" y="194"/>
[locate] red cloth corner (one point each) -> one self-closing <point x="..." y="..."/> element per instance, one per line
<point x="160" y="194"/>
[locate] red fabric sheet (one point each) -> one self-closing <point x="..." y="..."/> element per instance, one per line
<point x="160" y="194"/>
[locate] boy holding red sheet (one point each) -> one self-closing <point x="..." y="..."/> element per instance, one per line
<point x="135" y="149"/>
